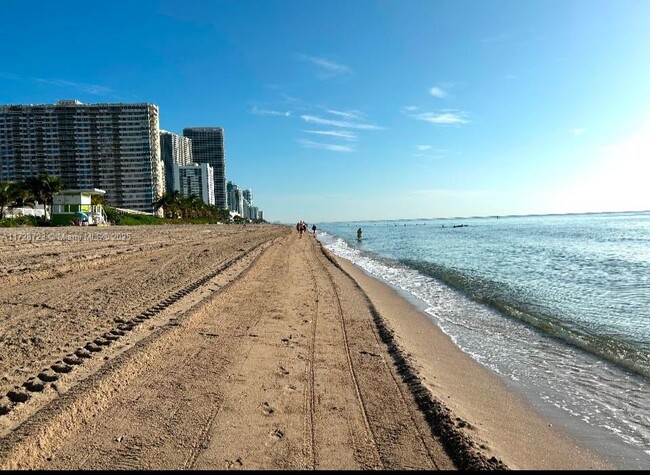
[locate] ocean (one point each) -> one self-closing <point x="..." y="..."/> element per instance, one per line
<point x="558" y="306"/>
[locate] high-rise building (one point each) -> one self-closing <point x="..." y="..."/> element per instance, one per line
<point x="248" y="195"/>
<point x="253" y="213"/>
<point x="208" y="147"/>
<point x="175" y="150"/>
<point x="195" y="179"/>
<point x="235" y="198"/>
<point x="113" y="147"/>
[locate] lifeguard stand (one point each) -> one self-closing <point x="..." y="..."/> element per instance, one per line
<point x="75" y="206"/>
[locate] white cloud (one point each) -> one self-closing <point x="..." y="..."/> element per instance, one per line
<point x="326" y="146"/>
<point x="351" y="115"/>
<point x="327" y="68"/>
<point x="87" y="88"/>
<point x="338" y="123"/>
<point x="438" y="92"/>
<point x="578" y="131"/>
<point x="444" y="117"/>
<point x="423" y="147"/>
<point x="410" y="108"/>
<point x="256" y="111"/>
<point x="342" y="134"/>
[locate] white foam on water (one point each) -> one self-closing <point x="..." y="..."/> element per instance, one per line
<point x="558" y="379"/>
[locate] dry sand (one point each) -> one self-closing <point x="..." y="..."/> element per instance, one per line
<point x="226" y="347"/>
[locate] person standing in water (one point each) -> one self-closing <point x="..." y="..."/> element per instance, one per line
<point x="313" y="228"/>
<point x="359" y="232"/>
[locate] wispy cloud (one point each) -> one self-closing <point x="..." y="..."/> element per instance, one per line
<point x="257" y="111"/>
<point x="342" y="134"/>
<point x="326" y="146"/>
<point x="410" y="108"/>
<point x="326" y="67"/>
<point x="578" y="131"/>
<point x="426" y="152"/>
<point x="438" y="92"/>
<point x="351" y="115"/>
<point x="443" y="117"/>
<point x="312" y="119"/>
<point x="82" y="87"/>
<point x="511" y="76"/>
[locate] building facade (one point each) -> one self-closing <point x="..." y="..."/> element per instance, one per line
<point x="208" y="147"/>
<point x="113" y="147"/>
<point x="175" y="150"/>
<point x="235" y="198"/>
<point x="248" y="195"/>
<point x="195" y="179"/>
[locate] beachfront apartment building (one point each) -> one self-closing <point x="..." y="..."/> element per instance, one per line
<point x="208" y="147"/>
<point x="248" y="195"/>
<point x="195" y="179"/>
<point x="113" y="146"/>
<point x="175" y="150"/>
<point x="251" y="212"/>
<point x="235" y="198"/>
<point x="240" y="202"/>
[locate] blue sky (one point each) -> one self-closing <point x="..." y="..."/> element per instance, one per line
<point x="360" y="110"/>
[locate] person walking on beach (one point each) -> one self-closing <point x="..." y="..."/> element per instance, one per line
<point x="301" y="227"/>
<point x="313" y="229"/>
<point x="359" y="232"/>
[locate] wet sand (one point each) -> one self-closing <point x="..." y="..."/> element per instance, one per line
<point x="226" y="347"/>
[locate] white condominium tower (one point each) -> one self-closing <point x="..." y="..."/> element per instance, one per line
<point x="235" y="198"/>
<point x="175" y="150"/>
<point x="195" y="179"/>
<point x="208" y="147"/>
<point x="114" y="147"/>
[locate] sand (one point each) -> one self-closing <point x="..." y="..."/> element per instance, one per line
<point x="237" y="347"/>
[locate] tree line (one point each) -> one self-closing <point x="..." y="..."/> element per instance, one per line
<point x="20" y="194"/>
<point x="41" y="189"/>
<point x="175" y="205"/>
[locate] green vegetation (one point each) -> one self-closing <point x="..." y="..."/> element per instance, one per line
<point x="19" y="194"/>
<point x="176" y="208"/>
<point x="22" y="221"/>
<point x="124" y="219"/>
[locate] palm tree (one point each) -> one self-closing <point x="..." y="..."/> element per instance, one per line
<point x="170" y="203"/>
<point x="44" y="188"/>
<point x="22" y="195"/>
<point x="6" y="197"/>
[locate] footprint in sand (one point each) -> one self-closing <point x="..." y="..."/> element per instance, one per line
<point x="267" y="409"/>
<point x="276" y="434"/>
<point x="234" y="465"/>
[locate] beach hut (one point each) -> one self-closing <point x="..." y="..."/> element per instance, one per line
<point x="75" y="207"/>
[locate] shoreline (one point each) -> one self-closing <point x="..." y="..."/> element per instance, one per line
<point x="242" y="348"/>
<point x="501" y="418"/>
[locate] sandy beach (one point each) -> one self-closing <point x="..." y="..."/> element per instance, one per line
<point x="237" y="347"/>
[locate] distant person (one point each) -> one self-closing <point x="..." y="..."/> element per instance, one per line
<point x="313" y="228"/>
<point x="301" y="227"/>
<point x="359" y="233"/>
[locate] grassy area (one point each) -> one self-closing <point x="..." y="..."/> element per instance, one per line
<point x="136" y="219"/>
<point x="22" y="221"/>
